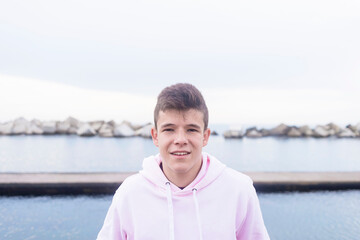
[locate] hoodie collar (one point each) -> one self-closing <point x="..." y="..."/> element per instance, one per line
<point x="211" y="168"/>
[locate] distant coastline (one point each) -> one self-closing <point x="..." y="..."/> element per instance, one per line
<point x="73" y="126"/>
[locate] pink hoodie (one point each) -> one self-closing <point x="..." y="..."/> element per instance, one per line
<point x="219" y="204"/>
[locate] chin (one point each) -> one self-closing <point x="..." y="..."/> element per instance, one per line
<point x="181" y="168"/>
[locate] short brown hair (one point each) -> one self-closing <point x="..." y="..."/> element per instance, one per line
<point x="182" y="97"/>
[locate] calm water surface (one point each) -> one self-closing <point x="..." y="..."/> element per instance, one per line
<point x="288" y="216"/>
<point x="95" y="154"/>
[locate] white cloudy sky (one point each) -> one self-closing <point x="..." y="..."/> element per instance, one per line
<point x="255" y="61"/>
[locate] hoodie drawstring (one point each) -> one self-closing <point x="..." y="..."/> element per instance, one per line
<point x="194" y="190"/>
<point x="171" y="211"/>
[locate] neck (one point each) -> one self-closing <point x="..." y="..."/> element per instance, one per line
<point x="181" y="179"/>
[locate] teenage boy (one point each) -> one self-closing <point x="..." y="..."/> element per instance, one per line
<point x="183" y="193"/>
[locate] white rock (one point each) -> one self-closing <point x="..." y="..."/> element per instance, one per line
<point x="73" y="122"/>
<point x="123" y="130"/>
<point x="279" y="130"/>
<point x="36" y="122"/>
<point x="6" y="128"/>
<point x="358" y="127"/>
<point x="264" y="132"/>
<point x="214" y="133"/>
<point x="49" y="127"/>
<point x="134" y="126"/>
<point x="19" y="129"/>
<point x="96" y="125"/>
<point x="306" y="131"/>
<point x="346" y="133"/>
<point x="336" y="129"/>
<point x="353" y="128"/>
<point x="21" y="120"/>
<point x="34" y="129"/>
<point x="20" y="126"/>
<point x="232" y="133"/>
<point x="72" y="130"/>
<point x="320" y="131"/>
<point x="332" y="132"/>
<point x="145" y="131"/>
<point x="293" y="132"/>
<point x="74" y="125"/>
<point x="62" y="127"/>
<point x="106" y="130"/>
<point x="253" y="133"/>
<point x="86" y="130"/>
<point x="112" y="123"/>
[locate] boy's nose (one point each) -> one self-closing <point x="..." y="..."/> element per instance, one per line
<point x="180" y="138"/>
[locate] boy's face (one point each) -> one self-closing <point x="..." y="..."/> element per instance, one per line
<point x="180" y="137"/>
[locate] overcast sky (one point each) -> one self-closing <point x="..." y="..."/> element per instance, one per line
<point x="255" y="61"/>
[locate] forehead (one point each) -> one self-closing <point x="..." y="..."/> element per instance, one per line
<point x="172" y="116"/>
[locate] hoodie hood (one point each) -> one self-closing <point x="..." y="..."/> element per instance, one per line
<point x="211" y="169"/>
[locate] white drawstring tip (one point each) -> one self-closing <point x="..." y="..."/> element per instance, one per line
<point x="194" y="190"/>
<point x="171" y="211"/>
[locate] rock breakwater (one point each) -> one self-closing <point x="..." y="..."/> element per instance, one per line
<point x="282" y="130"/>
<point x="71" y="125"/>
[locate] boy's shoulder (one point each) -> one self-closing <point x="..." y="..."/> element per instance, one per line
<point x="131" y="183"/>
<point x="236" y="179"/>
<point x="237" y="176"/>
<point x="225" y="172"/>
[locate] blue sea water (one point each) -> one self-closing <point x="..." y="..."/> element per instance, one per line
<point x="287" y="216"/>
<point x="315" y="215"/>
<point x="95" y="154"/>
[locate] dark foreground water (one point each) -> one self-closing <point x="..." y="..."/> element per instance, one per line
<point x="288" y="216"/>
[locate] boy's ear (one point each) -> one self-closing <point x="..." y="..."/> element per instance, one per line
<point x="206" y="136"/>
<point x="154" y="136"/>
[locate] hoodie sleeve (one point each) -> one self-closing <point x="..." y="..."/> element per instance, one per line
<point x="252" y="226"/>
<point x="111" y="229"/>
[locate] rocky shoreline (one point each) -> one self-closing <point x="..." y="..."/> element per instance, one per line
<point x="71" y="125"/>
<point x="282" y="130"/>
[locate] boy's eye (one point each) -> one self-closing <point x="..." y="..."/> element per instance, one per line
<point x="168" y="129"/>
<point x="192" y="130"/>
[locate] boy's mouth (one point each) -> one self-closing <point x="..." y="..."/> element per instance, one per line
<point x="180" y="153"/>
